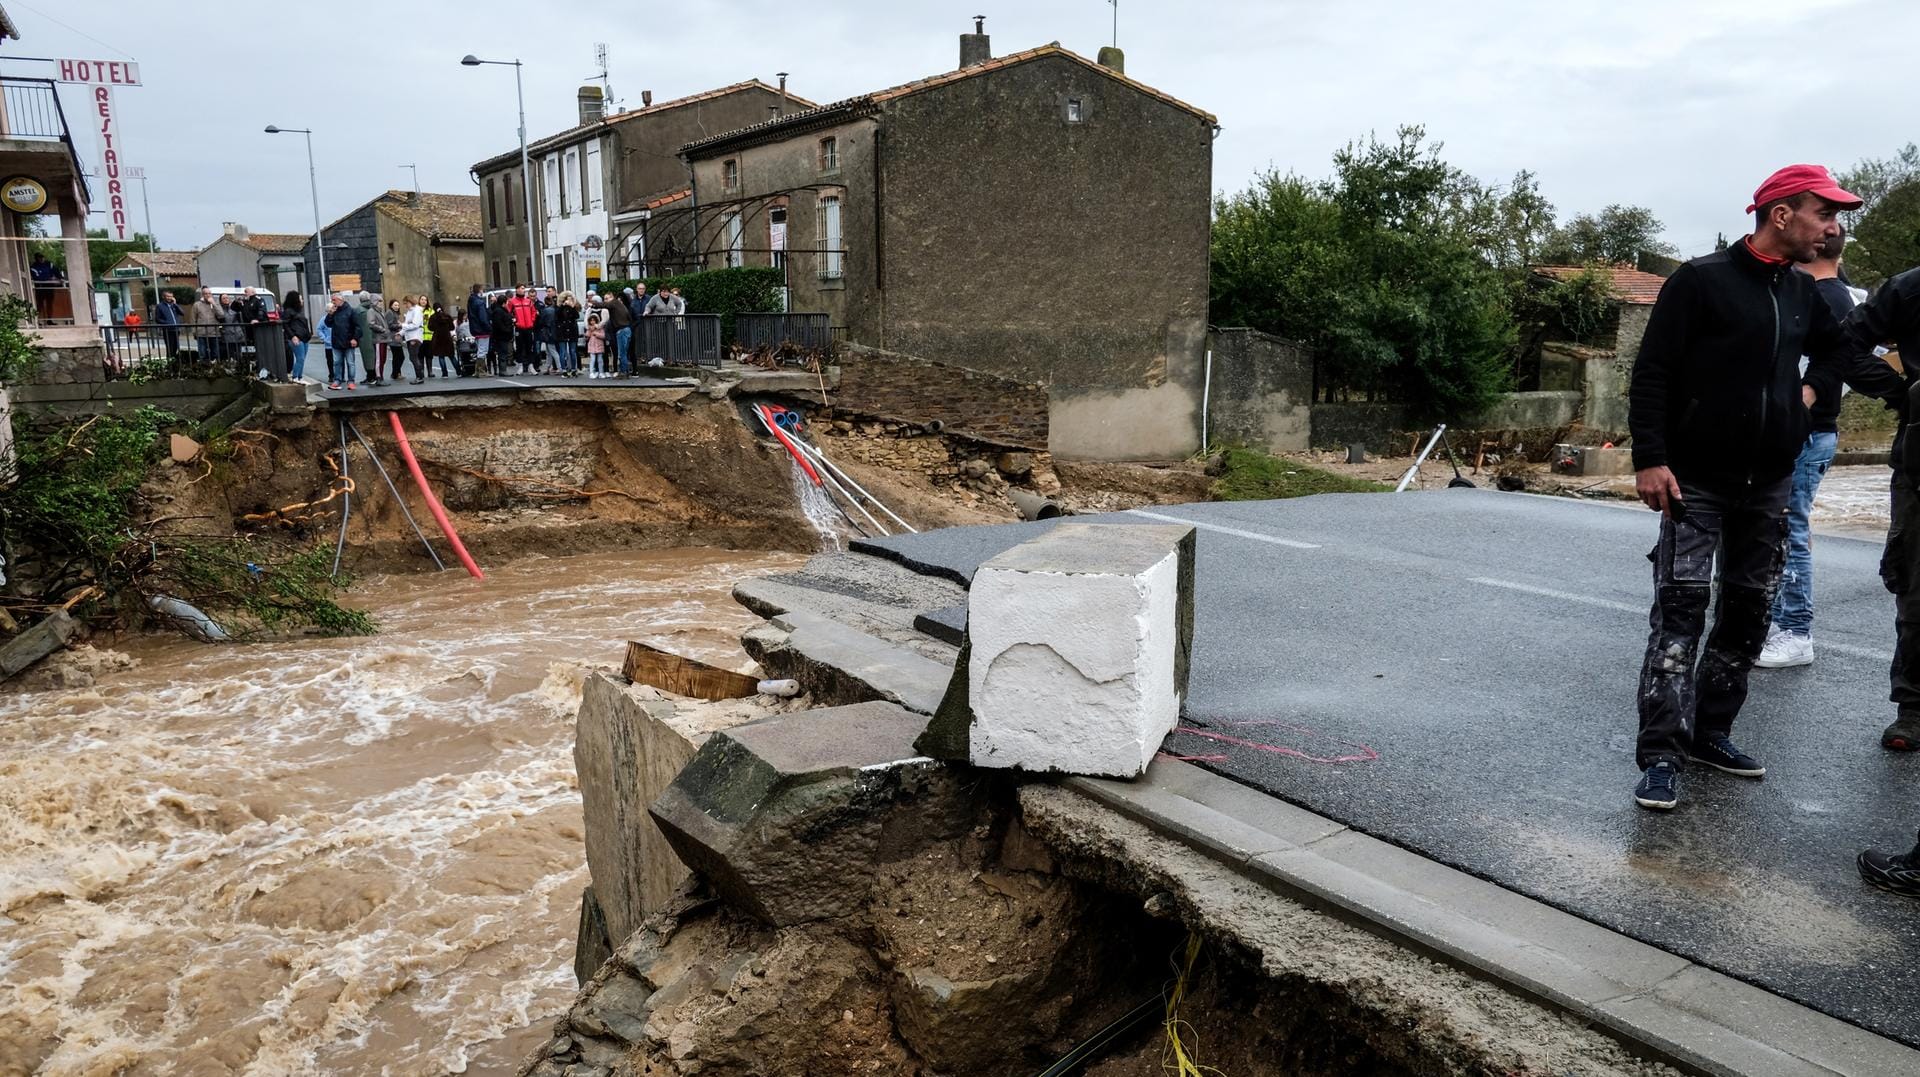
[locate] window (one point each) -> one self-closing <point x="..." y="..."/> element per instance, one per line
<point x="637" y="255"/>
<point x="730" y="174"/>
<point x="596" y="196"/>
<point x="829" y="234"/>
<point x="570" y="183"/>
<point x="513" y="271"/>
<point x="391" y="259"/>
<point x="493" y="209"/>
<point x="496" y="274"/>
<point x="1073" y="110"/>
<point x="777" y="235"/>
<point x="830" y="154"/>
<point x="506" y="181"/>
<point x="736" y="240"/>
<point x="552" y="202"/>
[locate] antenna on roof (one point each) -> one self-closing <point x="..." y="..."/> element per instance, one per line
<point x="1116" y="22"/>
<point x="606" y="80"/>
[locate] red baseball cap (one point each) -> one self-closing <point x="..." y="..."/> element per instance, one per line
<point x="1794" y="179"/>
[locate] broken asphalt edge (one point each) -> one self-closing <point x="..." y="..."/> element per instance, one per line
<point x="1654" y="1002"/>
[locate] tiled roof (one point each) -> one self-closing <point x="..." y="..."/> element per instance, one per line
<point x="580" y="131"/>
<point x="276" y="242"/>
<point x="166" y="263"/>
<point x="1630" y="285"/>
<point x="443" y="216"/>
<point x="854" y="104"/>
<point x="668" y="199"/>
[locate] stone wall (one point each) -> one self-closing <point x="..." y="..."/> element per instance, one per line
<point x="190" y="398"/>
<point x="982" y="406"/>
<point x="1334" y="426"/>
<point x="1261" y="391"/>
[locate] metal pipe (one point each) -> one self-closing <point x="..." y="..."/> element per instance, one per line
<point x="1407" y="479"/>
<point x="401" y="501"/>
<point x="526" y="175"/>
<point x="346" y="502"/>
<point x="835" y="468"/>
<point x="1206" y="395"/>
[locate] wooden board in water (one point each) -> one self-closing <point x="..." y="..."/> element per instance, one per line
<point x="670" y="672"/>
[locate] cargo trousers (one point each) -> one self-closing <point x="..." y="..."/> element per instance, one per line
<point x="1900" y="571"/>
<point x="1740" y="526"/>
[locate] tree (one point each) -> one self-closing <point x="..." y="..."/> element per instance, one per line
<point x="1380" y="268"/>
<point x="1618" y="234"/>
<point x="102" y="253"/>
<point x="1873" y="178"/>
<point x="1886" y="227"/>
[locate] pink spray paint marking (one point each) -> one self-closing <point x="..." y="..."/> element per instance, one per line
<point x="1361" y="754"/>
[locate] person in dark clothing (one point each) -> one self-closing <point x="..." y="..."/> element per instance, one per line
<point x="442" y="346"/>
<point x="293" y="321"/>
<point x="479" y="325"/>
<point x="47" y="282"/>
<point x="168" y="316"/>
<point x="347" y="328"/>
<point x="566" y="335"/>
<point x="543" y="324"/>
<point x="1790" y="637"/>
<point x="1718" y="413"/>
<point x="500" y="351"/>
<point x="619" y="329"/>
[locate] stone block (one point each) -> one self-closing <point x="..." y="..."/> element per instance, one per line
<point x="627" y="749"/>
<point x="1077" y="651"/>
<point x="52" y="633"/>
<point x="1592" y="460"/>
<point x="785" y="815"/>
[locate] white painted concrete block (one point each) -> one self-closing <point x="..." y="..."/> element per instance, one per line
<point x="1077" y="650"/>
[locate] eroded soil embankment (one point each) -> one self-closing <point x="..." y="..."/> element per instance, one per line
<point x="548" y="478"/>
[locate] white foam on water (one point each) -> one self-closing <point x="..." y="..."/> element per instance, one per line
<point x="323" y="856"/>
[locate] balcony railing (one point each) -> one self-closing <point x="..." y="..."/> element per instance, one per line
<point x="32" y="111"/>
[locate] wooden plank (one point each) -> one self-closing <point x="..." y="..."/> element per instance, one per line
<point x="670" y="672"/>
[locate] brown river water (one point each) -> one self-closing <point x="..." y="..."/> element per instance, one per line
<point x="355" y="856"/>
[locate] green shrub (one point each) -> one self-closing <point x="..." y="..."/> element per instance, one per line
<point x="726" y="292"/>
<point x="1254" y="476"/>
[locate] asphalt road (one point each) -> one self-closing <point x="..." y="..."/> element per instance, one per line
<point x="1454" y="672"/>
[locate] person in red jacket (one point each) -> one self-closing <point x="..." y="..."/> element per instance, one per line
<point x="525" y="312"/>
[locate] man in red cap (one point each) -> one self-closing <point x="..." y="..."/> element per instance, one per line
<point x="1718" y="412"/>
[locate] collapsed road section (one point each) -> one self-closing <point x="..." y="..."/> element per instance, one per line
<point x="925" y="875"/>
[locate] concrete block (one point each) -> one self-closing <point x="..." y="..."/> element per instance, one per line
<point x="1592" y="460"/>
<point x="627" y="749"/>
<point x="785" y="816"/>
<point x="52" y="633"/>
<point x="1077" y="652"/>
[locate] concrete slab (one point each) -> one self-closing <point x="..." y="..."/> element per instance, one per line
<point x="834" y="662"/>
<point x="1453" y="672"/>
<point x="50" y="634"/>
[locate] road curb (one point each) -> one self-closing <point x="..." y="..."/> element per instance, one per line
<point x="1654" y="1002"/>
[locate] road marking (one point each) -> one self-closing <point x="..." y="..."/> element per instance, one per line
<point x="1234" y="531"/>
<point x="1607" y="604"/>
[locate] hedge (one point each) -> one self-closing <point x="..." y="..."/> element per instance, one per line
<point x="725" y="292"/>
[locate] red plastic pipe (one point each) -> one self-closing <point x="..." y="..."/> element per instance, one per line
<point x="433" y="503"/>
<point x="797" y="455"/>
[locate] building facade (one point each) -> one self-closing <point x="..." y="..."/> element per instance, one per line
<point x="241" y="258"/>
<point x="402" y="243"/>
<point x="1039" y="216"/>
<point x="594" y="184"/>
<point x="136" y="280"/>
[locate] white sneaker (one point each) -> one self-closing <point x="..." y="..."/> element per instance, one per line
<point x="1785" y="649"/>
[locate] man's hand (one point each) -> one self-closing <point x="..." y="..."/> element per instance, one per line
<point x="1807" y="395"/>
<point x="353" y="344"/>
<point x="1658" y="488"/>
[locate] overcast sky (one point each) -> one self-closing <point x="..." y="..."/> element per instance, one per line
<point x="1679" y="105"/>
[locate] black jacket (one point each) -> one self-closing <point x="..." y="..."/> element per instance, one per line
<point x="543" y="324"/>
<point x="1716" y="387"/>
<point x="500" y="320"/>
<point x="566" y="324"/>
<point x="1891" y="316"/>
<point x="1826" y="410"/>
<point x="477" y="316"/>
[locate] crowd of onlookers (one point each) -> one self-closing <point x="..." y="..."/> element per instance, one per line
<point x="367" y="340"/>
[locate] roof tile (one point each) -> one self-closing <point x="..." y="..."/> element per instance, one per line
<point x="1632" y="286"/>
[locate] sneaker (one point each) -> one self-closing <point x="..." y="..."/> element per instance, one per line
<point x="351" y="387"/>
<point x="1659" y="787"/>
<point x="334" y="385"/>
<point x="1903" y="735"/>
<point x="1896" y="873"/>
<point x="1717" y="750"/>
<point x="1785" y="649"/>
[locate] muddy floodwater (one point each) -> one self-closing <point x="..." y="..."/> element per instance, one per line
<point x="325" y="856"/>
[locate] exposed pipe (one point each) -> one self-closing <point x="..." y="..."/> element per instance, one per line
<point x="830" y="482"/>
<point x="346" y="501"/>
<point x="426" y="492"/>
<point x="401" y="501"/>
<point x="781" y="436"/>
<point x="1206" y="387"/>
<point x="837" y="470"/>
<point x="1407" y="479"/>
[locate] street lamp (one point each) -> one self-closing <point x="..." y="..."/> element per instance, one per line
<point x="313" y="184"/>
<point x="526" y="170"/>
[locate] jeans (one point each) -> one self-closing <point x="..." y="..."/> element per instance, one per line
<point x="299" y="359"/>
<point x="565" y="358"/>
<point x="480" y="349"/>
<point x="620" y="338"/>
<point x="1793" y="604"/>
<point x="1685" y="694"/>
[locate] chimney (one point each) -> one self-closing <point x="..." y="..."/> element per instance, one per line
<point x="783" y="92"/>
<point x="593" y="104"/>
<point x="646" y="98"/>
<point x="1111" y="56"/>
<point x="976" y="48"/>
<point x="235" y="231"/>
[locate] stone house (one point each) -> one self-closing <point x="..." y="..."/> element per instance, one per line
<point x="403" y="243"/>
<point x="138" y="277"/>
<point x="241" y="258"/>
<point x="1601" y="372"/>
<point x="594" y="183"/>
<point x="1037" y="216"/>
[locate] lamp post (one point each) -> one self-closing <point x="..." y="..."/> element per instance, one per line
<point x="526" y="170"/>
<point x="313" y="185"/>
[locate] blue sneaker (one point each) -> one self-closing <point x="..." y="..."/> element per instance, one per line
<point x="1717" y="750"/>
<point x="1659" y="787"/>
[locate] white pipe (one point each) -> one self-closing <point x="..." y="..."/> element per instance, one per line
<point x="1206" y="394"/>
<point x="1407" y="479"/>
<point x="817" y="455"/>
<point x="781" y="687"/>
<point x="827" y="475"/>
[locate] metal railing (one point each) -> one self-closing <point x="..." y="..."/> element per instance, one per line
<point x="147" y="352"/>
<point x="678" y="339"/>
<point x="31" y="112"/>
<point x="783" y="339"/>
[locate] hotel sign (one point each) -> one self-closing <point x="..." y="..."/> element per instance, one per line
<point x="100" y="77"/>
